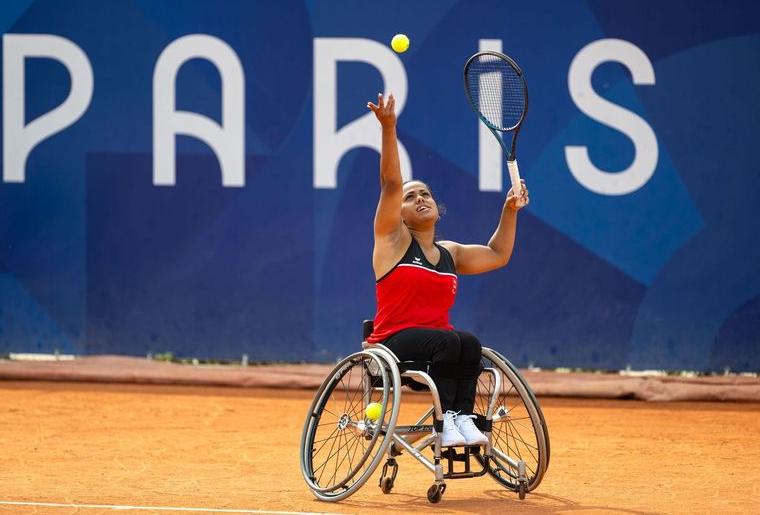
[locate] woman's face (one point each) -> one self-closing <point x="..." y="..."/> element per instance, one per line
<point x="418" y="208"/>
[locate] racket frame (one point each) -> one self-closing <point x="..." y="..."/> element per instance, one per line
<point x="498" y="133"/>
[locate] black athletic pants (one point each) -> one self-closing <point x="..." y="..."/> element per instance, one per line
<point x="447" y="351"/>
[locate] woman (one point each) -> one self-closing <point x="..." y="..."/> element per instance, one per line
<point x="417" y="282"/>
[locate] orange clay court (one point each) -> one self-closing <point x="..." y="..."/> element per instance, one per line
<point x="85" y="448"/>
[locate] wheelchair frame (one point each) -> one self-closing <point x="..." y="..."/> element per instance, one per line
<point x="382" y="376"/>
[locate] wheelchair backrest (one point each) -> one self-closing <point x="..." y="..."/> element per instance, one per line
<point x="367" y="327"/>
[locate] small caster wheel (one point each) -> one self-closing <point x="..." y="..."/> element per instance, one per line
<point x="386" y="485"/>
<point x="522" y="480"/>
<point x="435" y="492"/>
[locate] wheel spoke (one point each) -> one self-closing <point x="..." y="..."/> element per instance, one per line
<point x="520" y="439"/>
<point x="332" y="446"/>
<point x="345" y="455"/>
<point x="337" y="466"/>
<point x="324" y="440"/>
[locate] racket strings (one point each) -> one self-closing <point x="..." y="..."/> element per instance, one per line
<point x="497" y="91"/>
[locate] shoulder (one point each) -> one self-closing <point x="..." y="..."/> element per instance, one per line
<point x="451" y="246"/>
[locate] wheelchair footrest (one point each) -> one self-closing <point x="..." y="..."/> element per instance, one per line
<point x="451" y="455"/>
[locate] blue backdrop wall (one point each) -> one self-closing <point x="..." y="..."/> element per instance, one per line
<point x="200" y="177"/>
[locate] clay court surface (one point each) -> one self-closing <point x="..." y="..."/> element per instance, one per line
<point x="83" y="447"/>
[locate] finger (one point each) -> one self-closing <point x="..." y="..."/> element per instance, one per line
<point x="380" y="101"/>
<point x="391" y="103"/>
<point x="372" y="106"/>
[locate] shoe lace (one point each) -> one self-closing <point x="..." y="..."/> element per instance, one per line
<point x="466" y="422"/>
<point x="449" y="420"/>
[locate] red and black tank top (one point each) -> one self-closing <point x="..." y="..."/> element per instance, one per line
<point x="415" y="293"/>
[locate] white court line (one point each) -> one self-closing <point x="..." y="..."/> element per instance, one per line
<point x="156" y="508"/>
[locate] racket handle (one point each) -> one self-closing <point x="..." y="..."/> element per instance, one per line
<point x="514" y="177"/>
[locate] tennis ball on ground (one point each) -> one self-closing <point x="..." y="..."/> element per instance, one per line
<point x="400" y="43"/>
<point x="373" y="410"/>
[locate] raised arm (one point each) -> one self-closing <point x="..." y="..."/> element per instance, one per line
<point x="390" y="233"/>
<point x="388" y="214"/>
<point x="476" y="259"/>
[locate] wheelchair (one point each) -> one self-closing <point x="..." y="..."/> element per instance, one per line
<point x="341" y="446"/>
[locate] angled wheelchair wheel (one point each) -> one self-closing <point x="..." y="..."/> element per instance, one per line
<point x="519" y="434"/>
<point x="533" y="399"/>
<point x="340" y="446"/>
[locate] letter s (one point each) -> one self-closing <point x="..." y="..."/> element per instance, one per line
<point x="589" y="102"/>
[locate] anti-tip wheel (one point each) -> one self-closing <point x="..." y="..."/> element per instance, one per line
<point x="435" y="492"/>
<point x="386" y="485"/>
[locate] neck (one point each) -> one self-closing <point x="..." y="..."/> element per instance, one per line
<point x="425" y="237"/>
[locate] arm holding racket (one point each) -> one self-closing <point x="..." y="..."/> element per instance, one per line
<point x="497" y="92"/>
<point x="477" y="259"/>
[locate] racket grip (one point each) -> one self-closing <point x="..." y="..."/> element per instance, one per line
<point x="514" y="177"/>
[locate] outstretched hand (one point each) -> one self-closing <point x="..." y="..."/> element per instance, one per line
<point x="384" y="110"/>
<point x="515" y="203"/>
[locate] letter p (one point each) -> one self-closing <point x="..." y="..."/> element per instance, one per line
<point x="19" y="139"/>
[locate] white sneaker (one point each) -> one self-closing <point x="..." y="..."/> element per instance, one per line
<point x="469" y="431"/>
<point x="451" y="435"/>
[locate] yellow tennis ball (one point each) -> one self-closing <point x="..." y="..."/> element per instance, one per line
<point x="373" y="410"/>
<point x="400" y="43"/>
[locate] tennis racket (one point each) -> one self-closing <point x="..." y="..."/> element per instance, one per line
<point x="496" y="88"/>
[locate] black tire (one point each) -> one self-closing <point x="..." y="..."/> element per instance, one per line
<point x="340" y="447"/>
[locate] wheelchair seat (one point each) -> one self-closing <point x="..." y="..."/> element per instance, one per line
<point x="424" y="366"/>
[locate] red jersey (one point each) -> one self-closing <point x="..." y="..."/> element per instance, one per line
<point x="415" y="293"/>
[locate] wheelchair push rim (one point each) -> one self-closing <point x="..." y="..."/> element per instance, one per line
<point x="340" y="446"/>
